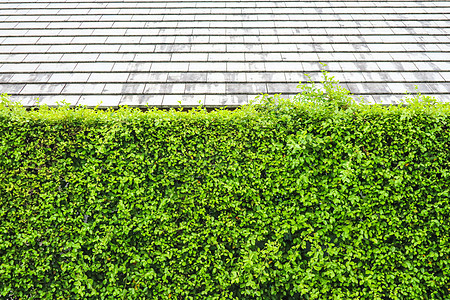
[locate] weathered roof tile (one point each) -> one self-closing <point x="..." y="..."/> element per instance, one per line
<point x="219" y="52"/>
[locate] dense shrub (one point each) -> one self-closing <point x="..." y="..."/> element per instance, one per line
<point x="286" y="199"/>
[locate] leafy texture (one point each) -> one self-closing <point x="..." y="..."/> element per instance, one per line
<point x="288" y="199"/>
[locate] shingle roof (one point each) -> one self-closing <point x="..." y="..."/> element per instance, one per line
<point x="220" y="52"/>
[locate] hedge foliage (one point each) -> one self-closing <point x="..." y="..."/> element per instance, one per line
<point x="287" y="199"/>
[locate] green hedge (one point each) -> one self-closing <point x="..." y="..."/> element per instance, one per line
<point x="282" y="200"/>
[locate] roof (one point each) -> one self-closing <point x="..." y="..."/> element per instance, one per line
<point x="224" y="52"/>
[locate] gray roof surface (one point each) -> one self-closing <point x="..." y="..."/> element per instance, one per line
<point x="219" y="52"/>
